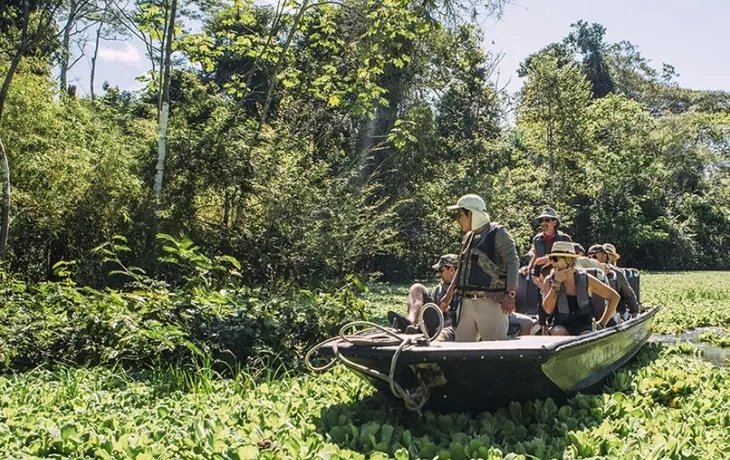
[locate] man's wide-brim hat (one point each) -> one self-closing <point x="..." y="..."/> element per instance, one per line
<point x="446" y="260"/>
<point x="548" y="212"/>
<point x="563" y="249"/>
<point x="611" y="251"/>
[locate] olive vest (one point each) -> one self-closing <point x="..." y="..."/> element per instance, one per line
<point x="480" y="266"/>
<point x="541" y="244"/>
<point x="585" y="307"/>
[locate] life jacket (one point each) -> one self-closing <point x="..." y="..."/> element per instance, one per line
<point x="599" y="303"/>
<point x="585" y="307"/>
<point x="541" y="244"/>
<point x="440" y="292"/>
<point x="480" y="267"/>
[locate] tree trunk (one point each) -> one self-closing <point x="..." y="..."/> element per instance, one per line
<point x="279" y="62"/>
<point x="16" y="59"/>
<point x="163" y="50"/>
<point x="4" y="166"/>
<point x="92" y="76"/>
<point x="66" y="45"/>
<point x="226" y="208"/>
<point x="5" y="206"/>
<point x="165" y="109"/>
<point x="551" y="154"/>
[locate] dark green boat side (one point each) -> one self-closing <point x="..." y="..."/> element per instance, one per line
<point x="477" y="376"/>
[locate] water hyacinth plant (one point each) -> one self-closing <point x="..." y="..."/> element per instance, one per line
<point x="666" y="403"/>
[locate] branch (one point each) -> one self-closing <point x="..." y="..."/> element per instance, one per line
<point x="126" y="20"/>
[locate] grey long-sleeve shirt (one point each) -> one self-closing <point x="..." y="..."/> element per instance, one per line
<point x="505" y="246"/>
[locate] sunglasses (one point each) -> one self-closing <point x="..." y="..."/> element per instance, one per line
<point x="444" y="268"/>
<point x="554" y="259"/>
<point x="545" y="220"/>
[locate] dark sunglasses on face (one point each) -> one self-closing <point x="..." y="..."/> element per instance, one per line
<point x="554" y="259"/>
<point x="545" y="220"/>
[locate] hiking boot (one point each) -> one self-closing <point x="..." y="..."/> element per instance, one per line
<point x="411" y="329"/>
<point x="398" y="322"/>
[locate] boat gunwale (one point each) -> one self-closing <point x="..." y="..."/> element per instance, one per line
<point x="522" y="347"/>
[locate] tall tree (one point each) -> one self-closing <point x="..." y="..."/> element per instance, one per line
<point x="553" y="104"/>
<point x="587" y="40"/>
<point x="32" y="22"/>
<point x="76" y="18"/>
<point x="165" y="101"/>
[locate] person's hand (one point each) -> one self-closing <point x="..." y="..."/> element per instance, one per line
<point x="508" y="304"/>
<point x="445" y="303"/>
<point x="537" y="280"/>
<point x="562" y="275"/>
<point x="523" y="270"/>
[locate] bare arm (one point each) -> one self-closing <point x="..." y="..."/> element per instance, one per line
<point x="607" y="293"/>
<point x="533" y="259"/>
<point x="549" y="294"/>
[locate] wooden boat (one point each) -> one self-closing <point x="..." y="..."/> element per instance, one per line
<point x="477" y="376"/>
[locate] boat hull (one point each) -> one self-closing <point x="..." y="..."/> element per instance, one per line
<point x="477" y="376"/>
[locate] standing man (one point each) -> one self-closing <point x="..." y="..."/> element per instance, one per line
<point x="486" y="277"/>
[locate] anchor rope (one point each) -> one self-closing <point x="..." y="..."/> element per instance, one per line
<point x="377" y="335"/>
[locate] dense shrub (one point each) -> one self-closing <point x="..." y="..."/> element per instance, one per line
<point x="208" y="315"/>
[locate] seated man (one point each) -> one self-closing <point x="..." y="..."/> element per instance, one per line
<point x="628" y="305"/>
<point x="418" y="296"/>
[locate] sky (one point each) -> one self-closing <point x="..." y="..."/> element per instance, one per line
<point x="693" y="36"/>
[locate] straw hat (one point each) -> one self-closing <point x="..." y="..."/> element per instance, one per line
<point x="563" y="249"/>
<point x="611" y="251"/>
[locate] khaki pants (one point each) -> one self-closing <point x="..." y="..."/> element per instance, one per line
<point x="481" y="318"/>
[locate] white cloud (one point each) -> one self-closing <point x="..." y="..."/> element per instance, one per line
<point x="129" y="55"/>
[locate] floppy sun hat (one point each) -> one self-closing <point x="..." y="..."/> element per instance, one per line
<point x="476" y="206"/>
<point x="611" y="251"/>
<point x="550" y="213"/>
<point x="563" y="249"/>
<point x="471" y="202"/>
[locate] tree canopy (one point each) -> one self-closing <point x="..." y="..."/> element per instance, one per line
<point x="312" y="140"/>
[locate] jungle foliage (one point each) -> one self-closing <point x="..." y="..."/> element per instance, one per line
<point x="316" y="140"/>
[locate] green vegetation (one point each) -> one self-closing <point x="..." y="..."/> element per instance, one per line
<point x="207" y="315"/>
<point x="155" y="266"/>
<point x="688" y="300"/>
<point x="664" y="405"/>
<point x="667" y="403"/>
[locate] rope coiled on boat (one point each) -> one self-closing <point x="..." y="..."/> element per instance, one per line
<point x="377" y="335"/>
